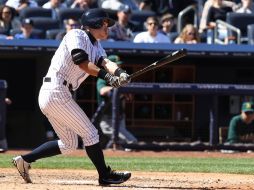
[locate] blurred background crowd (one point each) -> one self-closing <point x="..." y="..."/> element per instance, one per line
<point x="149" y="21"/>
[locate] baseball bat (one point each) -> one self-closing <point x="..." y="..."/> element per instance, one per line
<point x="163" y="61"/>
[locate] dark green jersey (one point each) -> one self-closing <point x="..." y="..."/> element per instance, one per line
<point x="99" y="85"/>
<point x="238" y="128"/>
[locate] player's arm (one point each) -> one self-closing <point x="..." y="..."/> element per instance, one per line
<point x="108" y="65"/>
<point x="80" y="58"/>
<point x="113" y="68"/>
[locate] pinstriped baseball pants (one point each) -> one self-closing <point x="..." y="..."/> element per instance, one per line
<point x="66" y="117"/>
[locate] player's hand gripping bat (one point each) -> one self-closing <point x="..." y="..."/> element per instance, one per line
<point x="165" y="60"/>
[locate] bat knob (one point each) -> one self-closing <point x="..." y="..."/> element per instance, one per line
<point x="184" y="51"/>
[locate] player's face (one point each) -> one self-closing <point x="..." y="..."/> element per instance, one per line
<point x="101" y="33"/>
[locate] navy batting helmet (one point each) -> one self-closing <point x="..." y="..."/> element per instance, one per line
<point x="94" y="18"/>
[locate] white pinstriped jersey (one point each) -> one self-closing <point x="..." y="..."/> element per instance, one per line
<point x="55" y="99"/>
<point x="62" y="65"/>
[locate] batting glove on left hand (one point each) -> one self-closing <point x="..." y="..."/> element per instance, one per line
<point x="113" y="81"/>
<point x="124" y="79"/>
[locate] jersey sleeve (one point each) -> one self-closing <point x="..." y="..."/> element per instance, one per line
<point x="75" y="39"/>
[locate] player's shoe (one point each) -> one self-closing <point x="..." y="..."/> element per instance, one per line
<point x="23" y="168"/>
<point x="113" y="177"/>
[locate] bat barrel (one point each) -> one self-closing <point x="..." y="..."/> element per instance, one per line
<point x="165" y="60"/>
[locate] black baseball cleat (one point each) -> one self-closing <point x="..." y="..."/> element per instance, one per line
<point x="113" y="177"/>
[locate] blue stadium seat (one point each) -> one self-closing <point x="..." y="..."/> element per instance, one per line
<point x="45" y="23"/>
<point x="35" y="12"/>
<point x="51" y="33"/>
<point x="241" y="21"/>
<point x="41" y="2"/>
<point x="67" y="13"/>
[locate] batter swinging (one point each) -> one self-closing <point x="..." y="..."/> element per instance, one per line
<point x="79" y="55"/>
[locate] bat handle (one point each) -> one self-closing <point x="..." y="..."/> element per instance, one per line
<point x="181" y="52"/>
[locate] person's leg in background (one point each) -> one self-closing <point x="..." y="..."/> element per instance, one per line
<point x="124" y="134"/>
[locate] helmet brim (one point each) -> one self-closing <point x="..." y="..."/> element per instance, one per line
<point x="111" y="22"/>
<point x="97" y="22"/>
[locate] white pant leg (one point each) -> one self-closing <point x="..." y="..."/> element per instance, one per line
<point x="59" y="106"/>
<point x="68" y="139"/>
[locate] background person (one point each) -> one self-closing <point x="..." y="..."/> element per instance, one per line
<point x="152" y="35"/>
<point x="55" y="6"/>
<point x="168" y="26"/>
<point x="18" y="5"/>
<point x="104" y="95"/>
<point x="189" y="35"/>
<point x="8" y="20"/>
<point x="124" y="28"/>
<point x="218" y="11"/>
<point x="68" y="24"/>
<point x="26" y="31"/>
<point x="246" y="6"/>
<point x="82" y="4"/>
<point x="241" y="127"/>
<point x="115" y="4"/>
<point x="208" y="3"/>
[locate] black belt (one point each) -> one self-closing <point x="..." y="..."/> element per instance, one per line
<point x="65" y="83"/>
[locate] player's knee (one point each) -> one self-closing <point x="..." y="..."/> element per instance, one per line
<point x="91" y="140"/>
<point x="70" y="146"/>
<point x="73" y="145"/>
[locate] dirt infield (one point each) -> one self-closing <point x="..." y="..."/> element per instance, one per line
<point x="44" y="179"/>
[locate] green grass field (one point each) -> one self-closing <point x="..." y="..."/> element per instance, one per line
<point x="207" y="165"/>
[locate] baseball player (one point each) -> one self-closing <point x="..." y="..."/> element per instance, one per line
<point x="79" y="55"/>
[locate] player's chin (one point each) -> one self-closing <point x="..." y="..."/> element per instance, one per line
<point x="104" y="36"/>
